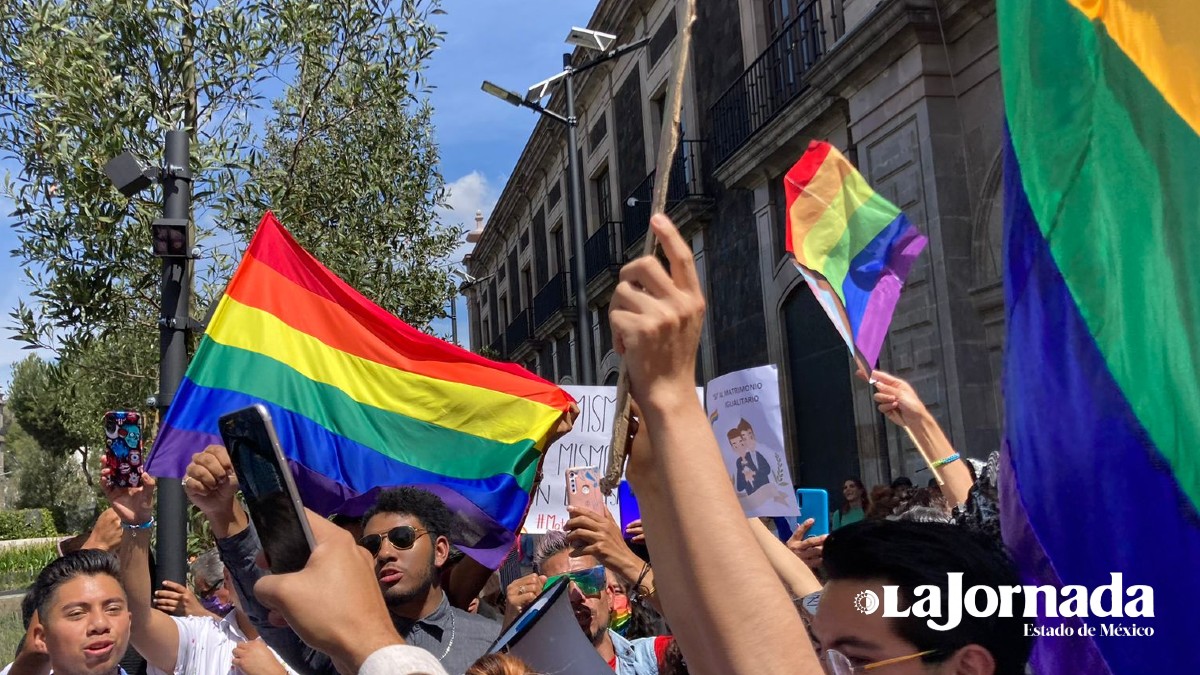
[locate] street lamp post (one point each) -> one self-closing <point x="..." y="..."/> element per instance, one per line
<point x="172" y="238"/>
<point x="587" y="364"/>
<point x="592" y="40"/>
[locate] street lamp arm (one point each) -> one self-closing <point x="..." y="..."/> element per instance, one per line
<point x="612" y="54"/>
<point x="546" y="111"/>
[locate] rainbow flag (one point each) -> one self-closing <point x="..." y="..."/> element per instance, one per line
<point x="361" y="400"/>
<point x="1101" y="472"/>
<point x="853" y="247"/>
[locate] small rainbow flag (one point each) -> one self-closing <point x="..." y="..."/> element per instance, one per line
<point x="1101" y="469"/>
<point x="853" y="247"/>
<point x="361" y="400"/>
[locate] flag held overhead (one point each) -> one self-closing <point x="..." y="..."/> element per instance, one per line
<point x="361" y="400"/>
<point x="853" y="247"/>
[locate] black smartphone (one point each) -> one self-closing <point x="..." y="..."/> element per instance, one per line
<point x="268" y="488"/>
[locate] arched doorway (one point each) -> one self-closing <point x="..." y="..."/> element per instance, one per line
<point x="822" y="407"/>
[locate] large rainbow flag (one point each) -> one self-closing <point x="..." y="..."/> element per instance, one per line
<point x="1102" y="278"/>
<point x="361" y="400"/>
<point x="852" y="246"/>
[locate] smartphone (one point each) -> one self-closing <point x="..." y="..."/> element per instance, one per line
<point x="629" y="507"/>
<point x="583" y="488"/>
<point x="814" y="503"/>
<point x="123" y="447"/>
<point x="268" y="488"/>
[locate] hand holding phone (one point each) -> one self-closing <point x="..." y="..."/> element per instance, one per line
<point x="814" y="503"/>
<point x="122" y="448"/>
<point x="583" y="489"/>
<point x="267" y="485"/>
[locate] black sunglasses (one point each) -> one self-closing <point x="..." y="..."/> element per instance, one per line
<point x="402" y="537"/>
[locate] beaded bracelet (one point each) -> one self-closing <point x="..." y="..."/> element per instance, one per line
<point x="144" y="526"/>
<point x="946" y="460"/>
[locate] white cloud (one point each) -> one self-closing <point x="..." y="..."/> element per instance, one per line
<point x="465" y="196"/>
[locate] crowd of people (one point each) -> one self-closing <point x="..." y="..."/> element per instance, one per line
<point x="694" y="586"/>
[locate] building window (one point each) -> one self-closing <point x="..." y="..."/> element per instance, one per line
<point x="777" y="13"/>
<point x="598" y="133"/>
<point x="560" y="250"/>
<point x="778" y="228"/>
<point x="527" y="280"/>
<point x="603" y="191"/>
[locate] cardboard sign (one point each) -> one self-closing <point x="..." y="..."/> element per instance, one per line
<point x="746" y="418"/>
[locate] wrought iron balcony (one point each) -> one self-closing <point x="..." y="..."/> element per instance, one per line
<point x="603" y="251"/>
<point x="770" y="83"/>
<point x="497" y="348"/>
<point x="685" y="182"/>
<point x="552" y="299"/>
<point x="519" y="330"/>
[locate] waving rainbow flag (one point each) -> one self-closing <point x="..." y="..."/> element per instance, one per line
<point x="853" y="247"/>
<point x="361" y="400"/>
<point x="1102" y="277"/>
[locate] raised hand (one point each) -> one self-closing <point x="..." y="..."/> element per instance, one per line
<point x="810" y="550"/>
<point x="520" y="593"/>
<point x="178" y="600"/>
<point x="133" y="505"/>
<point x="211" y="483"/>
<point x="656" y="320"/>
<point x="897" y="399"/>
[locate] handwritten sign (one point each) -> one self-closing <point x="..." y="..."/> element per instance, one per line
<point x="586" y="445"/>
<point x="746" y="417"/>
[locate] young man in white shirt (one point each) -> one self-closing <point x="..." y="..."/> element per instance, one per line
<point x="82" y="622"/>
<point x="191" y="645"/>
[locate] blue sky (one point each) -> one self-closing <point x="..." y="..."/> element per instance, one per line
<point x="514" y="43"/>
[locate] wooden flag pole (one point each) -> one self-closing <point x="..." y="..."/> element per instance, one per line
<point x="668" y="142"/>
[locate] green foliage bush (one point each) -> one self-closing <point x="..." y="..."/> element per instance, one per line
<point x="20" y="566"/>
<point x="26" y="524"/>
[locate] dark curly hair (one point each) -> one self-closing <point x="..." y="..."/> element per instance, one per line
<point x="423" y="505"/>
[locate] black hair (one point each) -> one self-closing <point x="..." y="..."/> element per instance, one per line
<point x="423" y="505"/>
<point x="912" y="554"/>
<point x="85" y="562"/>
<point x="29" y="605"/>
<point x="902" y="481"/>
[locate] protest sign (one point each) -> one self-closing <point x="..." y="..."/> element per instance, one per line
<point x="744" y="410"/>
<point x="587" y="444"/>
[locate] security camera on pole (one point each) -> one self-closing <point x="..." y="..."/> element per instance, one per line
<point x="172" y="237"/>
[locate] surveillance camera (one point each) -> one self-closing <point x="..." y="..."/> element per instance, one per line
<point x="129" y="173"/>
<point x="195" y="253"/>
<point x="151" y="401"/>
<point x="631" y="202"/>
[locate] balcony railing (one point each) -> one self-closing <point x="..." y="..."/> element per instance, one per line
<point x="770" y="83"/>
<point x="552" y="299"/>
<point x="685" y="182"/>
<point x="497" y="348"/>
<point x="519" y="330"/>
<point x="603" y="251"/>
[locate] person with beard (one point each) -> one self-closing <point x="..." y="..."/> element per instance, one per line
<point x="406" y="531"/>
<point x="592" y="603"/>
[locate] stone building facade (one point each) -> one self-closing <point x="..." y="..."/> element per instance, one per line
<point x="908" y="89"/>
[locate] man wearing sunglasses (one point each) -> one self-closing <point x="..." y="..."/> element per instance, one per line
<point x="872" y="554"/>
<point x="592" y="602"/>
<point x="407" y="532"/>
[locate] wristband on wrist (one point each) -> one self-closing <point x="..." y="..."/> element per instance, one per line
<point x="946" y="460"/>
<point x="144" y="526"/>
